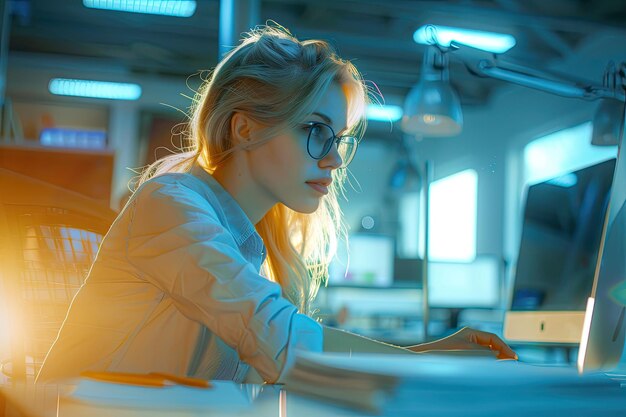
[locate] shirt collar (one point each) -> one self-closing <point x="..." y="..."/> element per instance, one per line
<point x="241" y="226"/>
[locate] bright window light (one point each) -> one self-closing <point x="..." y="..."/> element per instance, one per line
<point x="94" y="89"/>
<point x="383" y="113"/>
<point x="452" y="219"/>
<point x="178" y="8"/>
<point x="443" y="35"/>
<point x="561" y="152"/>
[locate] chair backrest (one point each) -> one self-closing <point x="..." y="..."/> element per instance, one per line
<point x="49" y="238"/>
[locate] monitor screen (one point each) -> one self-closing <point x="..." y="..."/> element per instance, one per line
<point x="407" y="272"/>
<point x="474" y="284"/>
<point x="369" y="264"/>
<point x="602" y="341"/>
<point x="561" y="235"/>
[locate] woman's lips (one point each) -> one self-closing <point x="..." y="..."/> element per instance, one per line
<point x="322" y="189"/>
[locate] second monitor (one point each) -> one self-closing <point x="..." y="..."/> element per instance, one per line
<point x="563" y="220"/>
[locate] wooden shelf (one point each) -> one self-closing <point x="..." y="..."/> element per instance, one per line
<point x="86" y="171"/>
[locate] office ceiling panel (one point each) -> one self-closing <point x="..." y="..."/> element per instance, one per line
<point x="376" y="34"/>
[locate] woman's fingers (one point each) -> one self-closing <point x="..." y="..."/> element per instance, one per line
<point x="494" y="343"/>
<point x="470" y="339"/>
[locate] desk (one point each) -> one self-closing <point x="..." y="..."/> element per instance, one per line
<point x="273" y="401"/>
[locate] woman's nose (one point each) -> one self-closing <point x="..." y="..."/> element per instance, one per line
<point x="332" y="160"/>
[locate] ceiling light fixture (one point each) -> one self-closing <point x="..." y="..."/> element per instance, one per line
<point x="383" y="113"/>
<point x="445" y="35"/>
<point x="94" y="89"/>
<point x="177" y="8"/>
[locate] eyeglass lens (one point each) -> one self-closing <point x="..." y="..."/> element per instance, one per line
<point x="321" y="139"/>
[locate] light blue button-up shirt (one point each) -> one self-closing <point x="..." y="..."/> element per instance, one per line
<point x="176" y="288"/>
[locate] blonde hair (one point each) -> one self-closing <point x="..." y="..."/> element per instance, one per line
<point x="277" y="81"/>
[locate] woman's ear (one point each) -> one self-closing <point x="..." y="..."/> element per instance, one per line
<point x="241" y="128"/>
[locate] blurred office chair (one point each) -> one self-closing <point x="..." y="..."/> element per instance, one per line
<point x="49" y="238"/>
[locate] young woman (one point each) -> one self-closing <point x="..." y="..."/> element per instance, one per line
<point x="210" y="269"/>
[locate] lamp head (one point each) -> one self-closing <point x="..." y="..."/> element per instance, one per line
<point x="432" y="107"/>
<point x="608" y="119"/>
<point x="607" y="123"/>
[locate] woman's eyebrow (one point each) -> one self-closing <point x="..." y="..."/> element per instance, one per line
<point x="327" y="120"/>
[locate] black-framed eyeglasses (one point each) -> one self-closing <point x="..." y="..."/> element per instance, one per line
<point x="321" y="139"/>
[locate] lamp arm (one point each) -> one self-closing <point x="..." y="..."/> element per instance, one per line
<point x="542" y="80"/>
<point x="559" y="87"/>
<point x="526" y="80"/>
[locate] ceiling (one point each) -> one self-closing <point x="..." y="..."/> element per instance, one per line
<point x="375" y="34"/>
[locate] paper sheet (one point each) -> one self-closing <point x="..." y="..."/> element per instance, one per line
<point x="223" y="395"/>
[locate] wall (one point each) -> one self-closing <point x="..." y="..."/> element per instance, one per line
<point x="33" y="116"/>
<point x="28" y="77"/>
<point x="366" y="190"/>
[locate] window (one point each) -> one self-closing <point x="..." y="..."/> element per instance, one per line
<point x="452" y="224"/>
<point x="562" y="152"/>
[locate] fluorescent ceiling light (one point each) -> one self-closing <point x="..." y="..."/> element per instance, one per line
<point x="94" y="89"/>
<point x="444" y="35"/>
<point x="178" y="8"/>
<point x="383" y="113"/>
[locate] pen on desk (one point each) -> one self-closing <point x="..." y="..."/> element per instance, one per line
<point x="183" y="380"/>
<point x="127" y="378"/>
<point x="154" y="379"/>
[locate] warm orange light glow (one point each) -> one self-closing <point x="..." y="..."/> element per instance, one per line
<point x="429" y="119"/>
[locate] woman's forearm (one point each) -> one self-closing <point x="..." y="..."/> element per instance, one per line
<point x="336" y="340"/>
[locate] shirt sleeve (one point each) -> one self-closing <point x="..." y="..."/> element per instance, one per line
<point x="177" y="243"/>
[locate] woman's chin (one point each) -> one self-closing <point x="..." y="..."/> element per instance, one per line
<point x="305" y="207"/>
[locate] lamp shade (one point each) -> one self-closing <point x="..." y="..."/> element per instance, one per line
<point x="607" y="123"/>
<point x="432" y="108"/>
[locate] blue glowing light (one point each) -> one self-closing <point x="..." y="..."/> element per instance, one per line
<point x="73" y="138"/>
<point x="565" y="181"/>
<point x="383" y="112"/>
<point x="444" y="35"/>
<point x="178" y="8"/>
<point x="94" y="89"/>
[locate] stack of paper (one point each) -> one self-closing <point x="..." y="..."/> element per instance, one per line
<point x="374" y="381"/>
<point x="318" y="375"/>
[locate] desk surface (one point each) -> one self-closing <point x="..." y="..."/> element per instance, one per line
<point x="271" y="401"/>
<point x="230" y="399"/>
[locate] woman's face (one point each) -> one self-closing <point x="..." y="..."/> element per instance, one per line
<point x="282" y="167"/>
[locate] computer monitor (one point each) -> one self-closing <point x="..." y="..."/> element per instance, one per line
<point x="602" y="340"/>
<point x="370" y="263"/>
<point x="561" y="235"/>
<point x="457" y="285"/>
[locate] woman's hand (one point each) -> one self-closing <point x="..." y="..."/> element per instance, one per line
<point x="469" y="339"/>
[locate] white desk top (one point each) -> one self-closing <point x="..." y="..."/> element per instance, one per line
<point x="230" y="399"/>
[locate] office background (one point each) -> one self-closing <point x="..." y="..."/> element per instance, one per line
<point x="65" y="39"/>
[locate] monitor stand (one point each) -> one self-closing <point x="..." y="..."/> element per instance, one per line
<point x="544" y="326"/>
